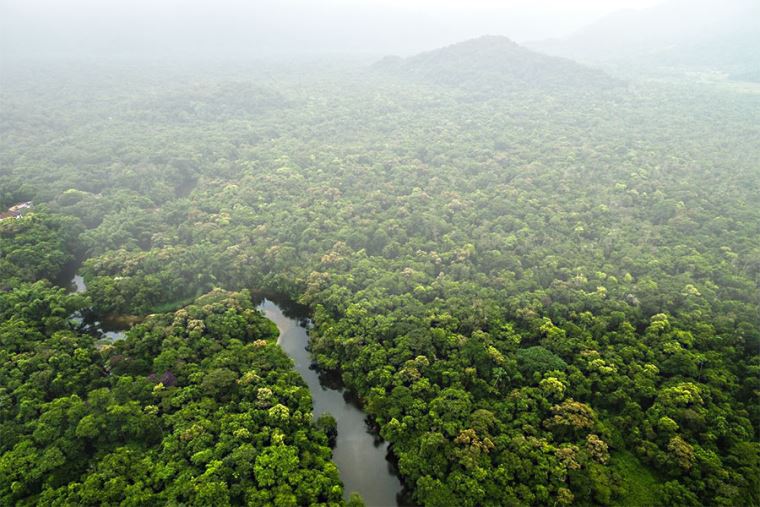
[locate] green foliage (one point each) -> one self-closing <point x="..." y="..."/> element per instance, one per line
<point x="538" y="360"/>
<point x="638" y="485"/>
<point x="196" y="407"/>
<point x="542" y="297"/>
<point x="36" y="246"/>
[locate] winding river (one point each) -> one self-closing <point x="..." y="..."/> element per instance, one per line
<point x="360" y="456"/>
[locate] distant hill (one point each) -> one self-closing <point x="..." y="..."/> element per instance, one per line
<point x="495" y="63"/>
<point x="721" y="35"/>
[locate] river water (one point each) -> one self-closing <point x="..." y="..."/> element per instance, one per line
<point x="360" y="456"/>
<point x="107" y="333"/>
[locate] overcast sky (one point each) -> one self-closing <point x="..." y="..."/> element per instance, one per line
<point x="273" y="27"/>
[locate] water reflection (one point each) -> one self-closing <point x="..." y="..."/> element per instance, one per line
<point x="361" y="456"/>
<point x="108" y="332"/>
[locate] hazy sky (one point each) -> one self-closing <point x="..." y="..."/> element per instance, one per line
<point x="261" y="27"/>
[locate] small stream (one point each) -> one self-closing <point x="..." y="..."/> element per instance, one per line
<point x="108" y="333"/>
<point x="361" y="457"/>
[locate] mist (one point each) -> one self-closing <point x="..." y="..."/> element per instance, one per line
<point x="268" y="28"/>
<point x="382" y="253"/>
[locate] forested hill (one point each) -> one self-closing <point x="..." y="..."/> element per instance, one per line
<point x="498" y="63"/>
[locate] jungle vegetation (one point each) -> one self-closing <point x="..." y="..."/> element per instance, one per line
<point x="542" y="296"/>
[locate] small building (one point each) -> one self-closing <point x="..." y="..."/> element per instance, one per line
<point x="17" y="210"/>
<point x="20" y="207"/>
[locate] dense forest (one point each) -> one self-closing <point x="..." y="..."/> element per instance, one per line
<point x="197" y="406"/>
<point x="541" y="295"/>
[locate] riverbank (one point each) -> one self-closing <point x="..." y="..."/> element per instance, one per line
<point x="361" y="456"/>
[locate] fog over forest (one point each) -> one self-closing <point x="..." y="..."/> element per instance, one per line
<point x="266" y="28"/>
<point x="381" y="253"/>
